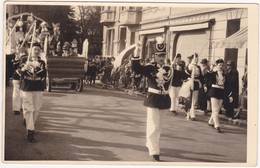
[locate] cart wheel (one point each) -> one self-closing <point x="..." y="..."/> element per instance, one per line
<point x="48" y="84"/>
<point x="80" y="84"/>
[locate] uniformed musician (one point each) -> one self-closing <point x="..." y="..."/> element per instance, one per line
<point x="176" y="83"/>
<point x="217" y="94"/>
<point x="16" y="99"/>
<point x="194" y="73"/>
<point x="33" y="74"/>
<point x="157" y="100"/>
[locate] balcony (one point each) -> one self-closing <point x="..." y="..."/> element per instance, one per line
<point x="130" y="17"/>
<point x="107" y="17"/>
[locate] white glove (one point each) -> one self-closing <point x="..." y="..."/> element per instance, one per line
<point x="230" y="99"/>
<point x="205" y="89"/>
<point x="25" y="67"/>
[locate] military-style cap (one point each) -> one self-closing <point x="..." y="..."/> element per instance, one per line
<point x="178" y="55"/>
<point x="204" y="61"/>
<point x="192" y="56"/>
<point x="220" y="60"/>
<point x="181" y="63"/>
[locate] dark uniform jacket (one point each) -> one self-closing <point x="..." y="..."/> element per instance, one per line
<point x="159" y="100"/>
<point x="232" y="86"/>
<point x="33" y="78"/>
<point x="16" y="68"/>
<point x="178" y="77"/>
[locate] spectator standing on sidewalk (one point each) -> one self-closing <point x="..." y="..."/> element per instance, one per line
<point x="204" y="99"/>
<point x="232" y="89"/>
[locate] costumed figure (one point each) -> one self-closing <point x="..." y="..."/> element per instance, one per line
<point x="33" y="74"/>
<point x="157" y="101"/>
<point x="217" y="93"/>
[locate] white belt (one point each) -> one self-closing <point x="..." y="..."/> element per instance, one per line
<point x="196" y="80"/>
<point x="156" y="91"/>
<point x="217" y="86"/>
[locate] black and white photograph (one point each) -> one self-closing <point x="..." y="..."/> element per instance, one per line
<point x="129" y="82"/>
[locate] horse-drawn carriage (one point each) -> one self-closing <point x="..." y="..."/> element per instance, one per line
<point x="62" y="71"/>
<point x="65" y="71"/>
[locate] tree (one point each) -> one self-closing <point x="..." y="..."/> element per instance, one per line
<point x="54" y="14"/>
<point x="88" y="20"/>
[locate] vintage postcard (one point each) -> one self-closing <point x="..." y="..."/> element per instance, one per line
<point x="130" y="83"/>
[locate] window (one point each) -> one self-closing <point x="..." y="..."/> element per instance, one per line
<point x="132" y="40"/>
<point x="122" y="39"/>
<point x="231" y="54"/>
<point x="110" y="42"/>
<point x="131" y="8"/>
<point x="232" y="26"/>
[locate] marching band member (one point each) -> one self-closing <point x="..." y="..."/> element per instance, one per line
<point x="157" y="100"/>
<point x="177" y="79"/>
<point x="193" y="72"/>
<point x="33" y="77"/>
<point x="10" y="49"/>
<point x="217" y="94"/>
<point x="16" y="99"/>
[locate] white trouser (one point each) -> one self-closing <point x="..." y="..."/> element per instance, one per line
<point x="194" y="101"/>
<point x="17" y="99"/>
<point x="32" y="101"/>
<point x="216" y="105"/>
<point x="173" y="92"/>
<point x="153" y="130"/>
<point x="208" y="105"/>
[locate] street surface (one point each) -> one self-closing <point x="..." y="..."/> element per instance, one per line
<point x="108" y="125"/>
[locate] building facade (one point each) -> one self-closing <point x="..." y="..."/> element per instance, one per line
<point x="212" y="33"/>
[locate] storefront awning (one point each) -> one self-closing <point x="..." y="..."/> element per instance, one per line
<point x="151" y="31"/>
<point x="237" y="40"/>
<point x="190" y="27"/>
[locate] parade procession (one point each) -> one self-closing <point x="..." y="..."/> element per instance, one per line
<point x="61" y="90"/>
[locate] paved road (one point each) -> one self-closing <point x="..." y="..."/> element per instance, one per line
<point x="104" y="125"/>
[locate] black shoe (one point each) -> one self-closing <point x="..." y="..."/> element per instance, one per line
<point x="16" y="112"/>
<point x="30" y="136"/>
<point x="206" y="112"/>
<point x="24" y="123"/>
<point x="174" y="112"/>
<point x="156" y="158"/>
<point x="219" y="130"/>
<point x="192" y="119"/>
<point x="211" y="125"/>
